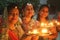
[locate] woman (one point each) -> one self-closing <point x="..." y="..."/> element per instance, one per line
<point x="11" y="28"/>
<point x="43" y="18"/>
<point x="28" y="21"/>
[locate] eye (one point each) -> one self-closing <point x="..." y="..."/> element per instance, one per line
<point x="46" y="11"/>
<point x="17" y="14"/>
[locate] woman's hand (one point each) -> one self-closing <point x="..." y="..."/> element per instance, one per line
<point x="35" y="37"/>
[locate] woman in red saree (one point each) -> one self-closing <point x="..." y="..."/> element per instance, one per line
<point x="12" y="25"/>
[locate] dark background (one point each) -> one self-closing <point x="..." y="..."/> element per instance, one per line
<point x="54" y="4"/>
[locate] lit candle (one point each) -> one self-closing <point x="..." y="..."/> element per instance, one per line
<point x="35" y="31"/>
<point x="58" y="23"/>
<point x="44" y="30"/>
<point x="42" y="24"/>
<point x="51" y="24"/>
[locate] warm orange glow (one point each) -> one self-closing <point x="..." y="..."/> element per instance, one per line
<point x="57" y="22"/>
<point x="47" y="25"/>
<point x="51" y="24"/>
<point x="42" y="24"/>
<point x="35" y="31"/>
<point x="44" y="30"/>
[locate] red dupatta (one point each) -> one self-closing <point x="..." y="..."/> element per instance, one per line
<point x="12" y="35"/>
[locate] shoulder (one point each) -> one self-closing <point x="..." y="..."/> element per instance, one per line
<point x="20" y="20"/>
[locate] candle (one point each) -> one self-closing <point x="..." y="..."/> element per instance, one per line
<point x="43" y="24"/>
<point x="44" y="30"/>
<point x="58" y="23"/>
<point x="34" y="31"/>
<point x="51" y="24"/>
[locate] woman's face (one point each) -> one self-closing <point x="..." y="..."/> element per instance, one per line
<point x="43" y="12"/>
<point x="28" y="11"/>
<point x="13" y="15"/>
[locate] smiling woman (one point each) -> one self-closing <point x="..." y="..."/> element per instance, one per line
<point x="11" y="28"/>
<point x="49" y="33"/>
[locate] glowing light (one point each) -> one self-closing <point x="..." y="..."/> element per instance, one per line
<point x="29" y="32"/>
<point x="44" y="31"/>
<point x="45" y="24"/>
<point x="51" y="24"/>
<point x="57" y="22"/>
<point x="42" y="24"/>
<point x="35" y="31"/>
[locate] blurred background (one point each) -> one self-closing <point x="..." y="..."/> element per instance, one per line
<point x="54" y="4"/>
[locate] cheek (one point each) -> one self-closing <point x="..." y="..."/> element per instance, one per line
<point x="46" y="14"/>
<point x="32" y="12"/>
<point x="40" y="13"/>
<point x="10" y="17"/>
<point x="16" y="18"/>
<point x="29" y="13"/>
<point x="26" y="13"/>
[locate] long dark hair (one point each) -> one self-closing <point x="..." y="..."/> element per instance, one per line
<point x="11" y="6"/>
<point x="42" y="6"/>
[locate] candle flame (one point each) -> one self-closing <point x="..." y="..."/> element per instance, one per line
<point x="44" y="31"/>
<point x="35" y="31"/>
<point x="42" y="24"/>
<point x="57" y="22"/>
<point x="51" y="24"/>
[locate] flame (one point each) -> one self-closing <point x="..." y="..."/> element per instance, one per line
<point x="42" y="24"/>
<point x="44" y="30"/>
<point x="35" y="31"/>
<point x="51" y="24"/>
<point x="57" y="22"/>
